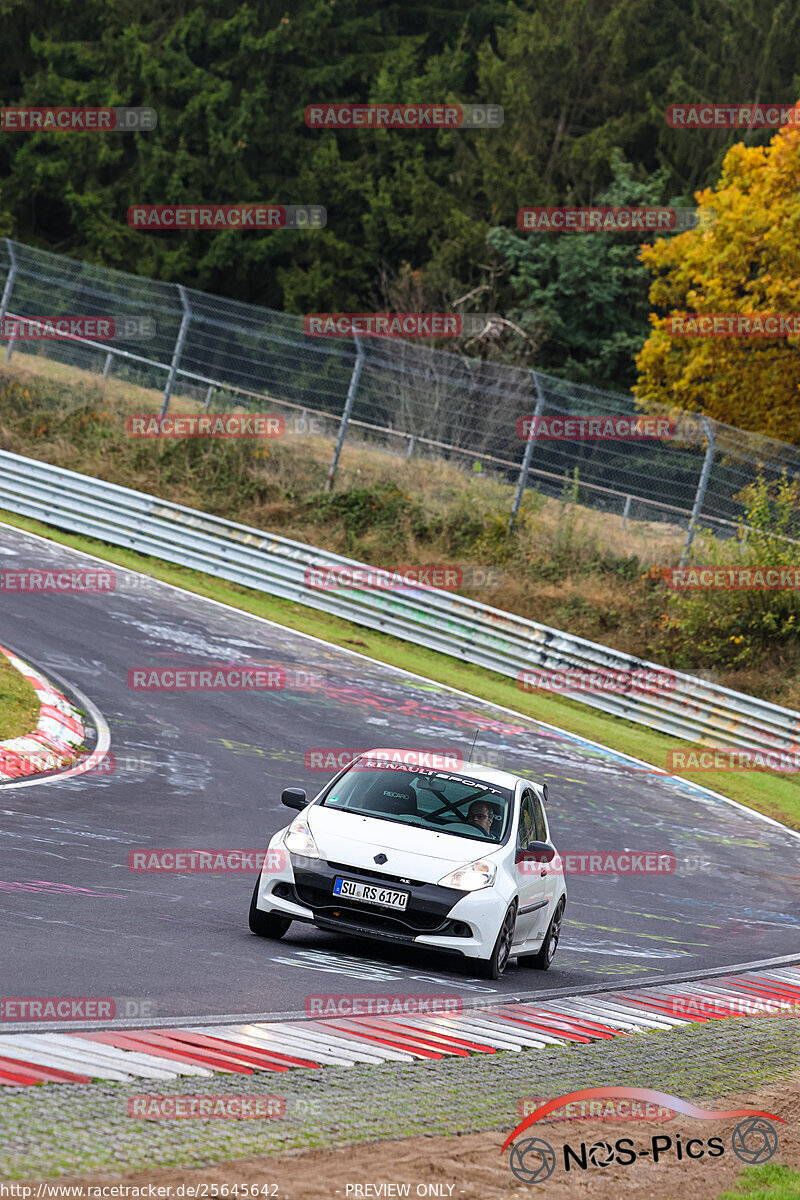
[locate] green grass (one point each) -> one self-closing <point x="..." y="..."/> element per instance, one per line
<point x="770" y="1182"/>
<point x="775" y="795"/>
<point x="19" y="707"/>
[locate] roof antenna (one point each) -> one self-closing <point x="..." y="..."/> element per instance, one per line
<point x="474" y="740"/>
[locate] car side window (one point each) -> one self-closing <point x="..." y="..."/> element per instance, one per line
<point x="538" y="814"/>
<point x="527" y="821"/>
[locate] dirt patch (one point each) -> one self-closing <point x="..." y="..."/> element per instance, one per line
<point x="471" y="1166"/>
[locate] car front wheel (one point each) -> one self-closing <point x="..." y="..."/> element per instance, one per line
<point x="494" y="966"/>
<point x="268" y="925"/>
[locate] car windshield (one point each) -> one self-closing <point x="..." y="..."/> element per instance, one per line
<point x="444" y="801"/>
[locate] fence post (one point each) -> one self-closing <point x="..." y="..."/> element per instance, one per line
<point x="6" y="299"/>
<point x="627" y="510"/>
<point x="526" y="461"/>
<point x="348" y="408"/>
<point x="179" y="342"/>
<point x="701" y="487"/>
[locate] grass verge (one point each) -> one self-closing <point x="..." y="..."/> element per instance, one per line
<point x="19" y="707"/>
<point x="770" y="1182"/>
<point x="775" y="795"/>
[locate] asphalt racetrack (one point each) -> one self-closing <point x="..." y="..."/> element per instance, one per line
<point x="205" y="770"/>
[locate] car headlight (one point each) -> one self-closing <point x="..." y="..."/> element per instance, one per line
<point x="471" y="877"/>
<point x="300" y="840"/>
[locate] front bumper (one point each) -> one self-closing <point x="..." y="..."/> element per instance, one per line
<point x="445" y="919"/>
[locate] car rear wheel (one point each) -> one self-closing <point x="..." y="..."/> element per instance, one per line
<point x="268" y="925"/>
<point x="544" y="956"/>
<point x="494" y="966"/>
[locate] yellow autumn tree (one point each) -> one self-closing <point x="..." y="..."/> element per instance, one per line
<point x="747" y="260"/>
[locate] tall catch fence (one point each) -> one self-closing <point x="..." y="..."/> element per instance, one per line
<point x="406" y="396"/>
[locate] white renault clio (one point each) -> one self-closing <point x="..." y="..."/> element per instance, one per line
<point x="459" y="861"/>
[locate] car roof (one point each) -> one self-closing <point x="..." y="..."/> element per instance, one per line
<point x="472" y="770"/>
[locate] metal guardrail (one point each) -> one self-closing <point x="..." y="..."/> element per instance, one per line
<point x="691" y="708"/>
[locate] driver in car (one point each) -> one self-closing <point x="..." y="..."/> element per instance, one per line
<point x="480" y="814"/>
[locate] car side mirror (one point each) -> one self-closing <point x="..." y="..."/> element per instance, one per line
<point x="536" y="852"/>
<point x="294" y="798"/>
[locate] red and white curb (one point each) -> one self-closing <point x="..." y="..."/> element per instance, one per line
<point x="126" y="1055"/>
<point x="55" y="740"/>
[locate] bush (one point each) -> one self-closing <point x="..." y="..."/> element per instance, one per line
<point x="734" y="628"/>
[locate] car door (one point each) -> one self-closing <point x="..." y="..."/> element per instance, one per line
<point x="550" y="872"/>
<point x="531" y="874"/>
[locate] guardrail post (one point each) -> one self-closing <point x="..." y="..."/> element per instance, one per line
<point x="107" y="366"/>
<point x="209" y="394"/>
<point x="179" y="343"/>
<point x="626" y="511"/>
<point x="10" y="347"/>
<point x="410" y="447"/>
<point x="348" y="408"/>
<point x="526" y="461"/>
<point x="6" y="299"/>
<point x="701" y="487"/>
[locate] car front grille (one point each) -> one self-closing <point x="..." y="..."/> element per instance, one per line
<point x="371" y="873"/>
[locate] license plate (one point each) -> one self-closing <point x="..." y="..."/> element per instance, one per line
<point x="370" y="893"/>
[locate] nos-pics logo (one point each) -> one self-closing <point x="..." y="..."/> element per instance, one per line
<point x="753" y="1140"/>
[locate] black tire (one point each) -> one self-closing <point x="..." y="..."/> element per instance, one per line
<point x="543" y="958"/>
<point x="268" y="925"/>
<point x="493" y="967"/>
